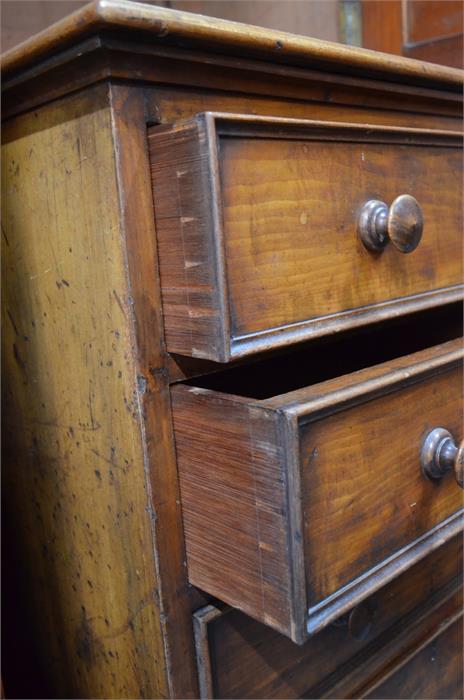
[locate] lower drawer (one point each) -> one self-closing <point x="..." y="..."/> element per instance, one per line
<point x="367" y="653"/>
<point x="433" y="670"/>
<point x="298" y="506"/>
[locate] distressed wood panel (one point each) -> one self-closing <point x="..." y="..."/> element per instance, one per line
<point x="79" y="505"/>
<point x="235" y="509"/>
<point x="177" y="597"/>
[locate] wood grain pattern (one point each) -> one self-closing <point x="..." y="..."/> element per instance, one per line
<point x="364" y="496"/>
<point x="250" y="260"/>
<point x="168" y="105"/>
<point x="241" y="658"/>
<point x="172" y="26"/>
<point x="190" y="264"/>
<point x="314" y="18"/>
<point x="338" y="451"/>
<point x="235" y="517"/>
<point x="96" y="566"/>
<point x="273" y="193"/>
<point x="78" y="501"/>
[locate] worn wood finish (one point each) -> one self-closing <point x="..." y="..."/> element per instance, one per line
<point x="336" y="450"/>
<point x="78" y="211"/>
<point x="103" y="56"/>
<point x="167" y="26"/>
<point x="176" y="103"/>
<point x="176" y="598"/>
<point x="240" y="658"/>
<point x="248" y="257"/>
<point x="360" y="472"/>
<point x="73" y="427"/>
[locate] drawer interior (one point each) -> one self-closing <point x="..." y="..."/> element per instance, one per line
<point x="326" y="358"/>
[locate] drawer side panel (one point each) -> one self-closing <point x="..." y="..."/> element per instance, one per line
<point x="233" y="486"/>
<point x="184" y="215"/>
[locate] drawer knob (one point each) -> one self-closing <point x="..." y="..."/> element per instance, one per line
<point x="402" y="224"/>
<point x="440" y="454"/>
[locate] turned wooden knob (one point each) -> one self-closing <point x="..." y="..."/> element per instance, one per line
<point x="402" y="224"/>
<point x="440" y="454"/>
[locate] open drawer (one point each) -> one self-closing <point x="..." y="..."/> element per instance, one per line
<point x="297" y="507"/>
<point x="260" y="226"/>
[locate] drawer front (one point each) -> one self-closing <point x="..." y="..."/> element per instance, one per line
<point x="241" y="658"/>
<point x="257" y="229"/>
<point x="299" y="506"/>
<point x="364" y="495"/>
<point x="434" y="671"/>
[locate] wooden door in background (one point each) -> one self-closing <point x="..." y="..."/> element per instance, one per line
<point x="429" y="30"/>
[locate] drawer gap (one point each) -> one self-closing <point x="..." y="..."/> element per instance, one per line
<point x="327" y="358"/>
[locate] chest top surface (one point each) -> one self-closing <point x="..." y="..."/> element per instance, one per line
<point x="160" y="26"/>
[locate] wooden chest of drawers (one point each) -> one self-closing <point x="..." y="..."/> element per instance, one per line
<point x="232" y="364"/>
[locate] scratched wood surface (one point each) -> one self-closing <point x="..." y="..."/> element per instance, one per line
<point x="177" y="597"/>
<point x="241" y="658"/>
<point x="78" y="500"/>
<point x="244" y="558"/>
<point x="129" y="633"/>
<point x="337" y="450"/>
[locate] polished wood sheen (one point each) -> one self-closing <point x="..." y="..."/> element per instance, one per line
<point x="440" y="454"/>
<point x="402" y="223"/>
<point x="251" y="259"/>
<point x="172" y="26"/>
<point x="240" y="658"/>
<point x="286" y="500"/>
<point x="303" y="399"/>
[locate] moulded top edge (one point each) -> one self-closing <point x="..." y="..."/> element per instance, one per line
<point x="186" y="30"/>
